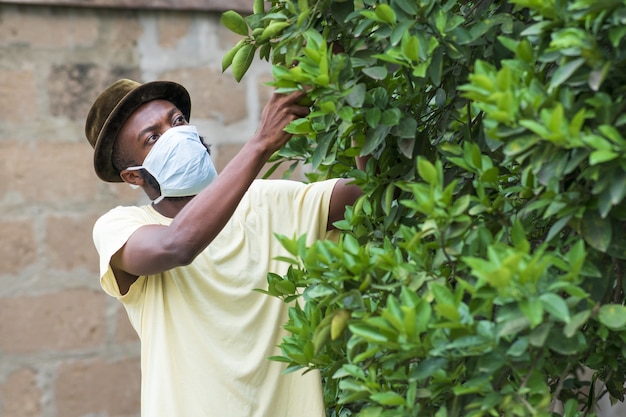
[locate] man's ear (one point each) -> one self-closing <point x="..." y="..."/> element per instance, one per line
<point x="132" y="176"/>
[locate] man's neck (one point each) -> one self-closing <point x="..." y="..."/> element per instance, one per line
<point x="169" y="207"/>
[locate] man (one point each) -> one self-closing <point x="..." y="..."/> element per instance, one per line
<point x="185" y="267"/>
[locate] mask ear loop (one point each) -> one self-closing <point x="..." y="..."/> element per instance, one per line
<point x="135" y="186"/>
<point x="134" y="168"/>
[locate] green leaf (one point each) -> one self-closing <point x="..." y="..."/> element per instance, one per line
<point x="612" y="134"/>
<point x="367" y="332"/>
<point x="426" y="170"/>
<point x="408" y="6"/>
<point x="514" y="326"/>
<point x="540" y="334"/>
<point x="377" y="73"/>
<point x="399" y="31"/>
<point x="374" y="138"/>
<point x="290" y="244"/>
<point x="423" y="313"/>
<point x="356" y="97"/>
<point x="380" y="97"/>
<point x="578" y="320"/>
<point x="258" y="6"/>
<point x="385" y="13"/>
<point x="298" y="126"/>
<point x="372" y="116"/>
<point x="564" y="72"/>
<point x="388" y="398"/>
<point x="518" y="348"/>
<point x="556" y="228"/>
<point x="285" y="287"/>
<point x="518" y="236"/>
<point x="227" y="59"/>
<point x="273" y="30"/>
<point x="410" y="47"/>
<point x="435" y="68"/>
<point x="613" y="316"/>
<point x="598" y="157"/>
<point x="440" y="21"/>
<point x="370" y="412"/>
<point x="618" y="187"/>
<point x="508" y="43"/>
<point x="616" y="34"/>
<point x="235" y="22"/>
<point x="566" y="345"/>
<point x="597" y="232"/>
<point x="556" y="306"/>
<point x="443" y="295"/>
<point x="407" y="128"/>
<point x="427" y="368"/>
<point x="351" y="245"/>
<point x="533" y="310"/>
<point x="242" y="60"/>
<point x="597" y="76"/>
<point x="321" y="150"/>
<point x="460" y="206"/>
<point x="571" y="408"/>
<point x="391" y="117"/>
<point x="490" y="175"/>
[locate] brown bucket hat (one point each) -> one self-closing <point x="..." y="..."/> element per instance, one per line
<point x="113" y="107"/>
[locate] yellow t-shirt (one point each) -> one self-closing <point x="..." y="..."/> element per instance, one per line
<point x="205" y="334"/>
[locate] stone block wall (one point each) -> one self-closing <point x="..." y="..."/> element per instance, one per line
<point x="66" y="348"/>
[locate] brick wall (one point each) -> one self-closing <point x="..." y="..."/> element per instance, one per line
<point x="66" y="349"/>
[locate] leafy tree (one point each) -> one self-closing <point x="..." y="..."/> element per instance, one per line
<point x="482" y="270"/>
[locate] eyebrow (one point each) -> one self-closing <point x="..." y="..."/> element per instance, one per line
<point x="153" y="127"/>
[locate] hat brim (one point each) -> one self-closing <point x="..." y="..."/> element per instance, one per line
<point x="103" y="149"/>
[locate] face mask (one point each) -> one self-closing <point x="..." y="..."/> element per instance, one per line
<point x="180" y="163"/>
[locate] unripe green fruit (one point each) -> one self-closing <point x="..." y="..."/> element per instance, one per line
<point x="305" y="101"/>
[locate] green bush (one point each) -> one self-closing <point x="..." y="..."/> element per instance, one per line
<point x="482" y="269"/>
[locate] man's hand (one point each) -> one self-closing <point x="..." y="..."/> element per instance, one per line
<point x="278" y="113"/>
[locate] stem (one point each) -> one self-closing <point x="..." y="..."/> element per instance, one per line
<point x="443" y="248"/>
<point x="455" y="405"/>
<point x="532" y="368"/>
<point x="559" y="386"/>
<point x="526" y="404"/>
<point x="619" y="272"/>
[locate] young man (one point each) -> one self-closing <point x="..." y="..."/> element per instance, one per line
<point x="185" y="266"/>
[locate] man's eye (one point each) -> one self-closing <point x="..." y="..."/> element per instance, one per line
<point x="152" y="138"/>
<point x="180" y="120"/>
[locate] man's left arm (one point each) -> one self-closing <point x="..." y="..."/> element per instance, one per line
<point x="345" y="193"/>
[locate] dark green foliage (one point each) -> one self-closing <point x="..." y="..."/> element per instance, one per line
<point x="482" y="269"/>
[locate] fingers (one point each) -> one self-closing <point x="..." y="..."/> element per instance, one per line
<point x="281" y="110"/>
<point x="291" y="98"/>
<point x="297" y="105"/>
<point x="289" y="104"/>
<point x="300" y="110"/>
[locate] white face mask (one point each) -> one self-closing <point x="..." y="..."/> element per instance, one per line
<point x="180" y="163"/>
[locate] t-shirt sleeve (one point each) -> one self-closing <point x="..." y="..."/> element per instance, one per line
<point x="301" y="208"/>
<point x="110" y="233"/>
<point x="315" y="197"/>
